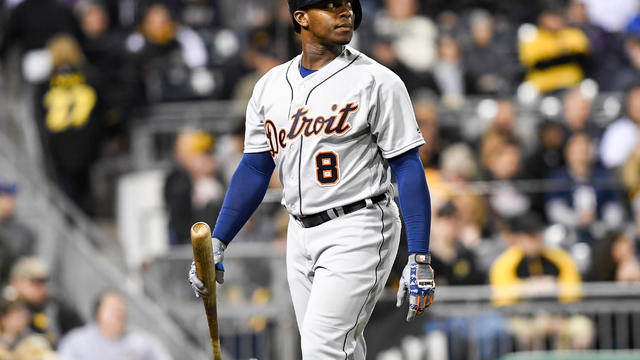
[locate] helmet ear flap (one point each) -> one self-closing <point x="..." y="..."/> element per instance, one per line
<point x="299" y="4"/>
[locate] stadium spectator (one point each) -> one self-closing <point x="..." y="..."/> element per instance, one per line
<point x="449" y="73"/>
<point x="455" y="263"/>
<point x="412" y="36"/>
<point x="529" y="268"/>
<point x="425" y="106"/>
<point x="383" y="51"/>
<point x="14" y="325"/>
<point x="548" y="157"/>
<point x="553" y="53"/>
<point x="18" y="239"/>
<point x="48" y="315"/>
<point x="631" y="180"/>
<point x="582" y="193"/>
<point x="170" y="58"/>
<point x="70" y="116"/>
<point x="192" y="191"/>
<point x="606" y="64"/>
<point x="550" y="152"/>
<point x="259" y="58"/>
<point x="100" y="44"/>
<point x="622" y="136"/>
<point x="109" y="337"/>
<point x="32" y="23"/>
<point x="451" y="182"/>
<point x="502" y="129"/>
<point x="505" y="167"/>
<point x="577" y="110"/>
<point x="489" y="63"/>
<point x="615" y="259"/>
<point x="451" y="24"/>
<point x="17" y="341"/>
<point x="630" y="68"/>
<point x="105" y="51"/>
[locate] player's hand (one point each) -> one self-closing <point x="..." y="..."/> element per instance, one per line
<point x="417" y="281"/>
<point x="218" y="255"/>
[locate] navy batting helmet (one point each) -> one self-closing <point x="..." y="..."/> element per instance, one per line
<point x="299" y="4"/>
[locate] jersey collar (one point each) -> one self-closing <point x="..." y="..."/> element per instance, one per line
<point x="342" y="60"/>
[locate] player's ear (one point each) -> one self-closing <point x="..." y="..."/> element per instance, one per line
<point x="302" y="18"/>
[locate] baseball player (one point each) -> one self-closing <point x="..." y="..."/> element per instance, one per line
<point x="333" y="122"/>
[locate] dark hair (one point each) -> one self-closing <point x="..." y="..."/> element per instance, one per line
<point x="448" y="210"/>
<point x="603" y="266"/>
<point x="525" y="224"/>
<point x="556" y="7"/>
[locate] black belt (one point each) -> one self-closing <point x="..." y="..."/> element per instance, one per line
<point x="322" y="217"/>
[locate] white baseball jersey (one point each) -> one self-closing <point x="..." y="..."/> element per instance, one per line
<point x="330" y="131"/>
<point x="329" y="134"/>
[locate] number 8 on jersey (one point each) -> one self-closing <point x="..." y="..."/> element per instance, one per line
<point x="327" y="170"/>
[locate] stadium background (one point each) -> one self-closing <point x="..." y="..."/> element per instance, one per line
<point x="121" y="125"/>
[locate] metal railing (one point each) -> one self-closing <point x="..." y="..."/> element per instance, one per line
<point x="475" y="329"/>
<point x="612" y="308"/>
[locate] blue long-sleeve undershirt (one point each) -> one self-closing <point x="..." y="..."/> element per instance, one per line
<point x="415" y="202"/>
<point x="251" y="179"/>
<point x="248" y="185"/>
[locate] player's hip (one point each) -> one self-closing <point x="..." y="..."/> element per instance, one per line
<point x="347" y="244"/>
<point x="345" y="208"/>
<point x="369" y="221"/>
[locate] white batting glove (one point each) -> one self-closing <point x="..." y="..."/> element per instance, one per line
<point x="417" y="280"/>
<point x="218" y="255"/>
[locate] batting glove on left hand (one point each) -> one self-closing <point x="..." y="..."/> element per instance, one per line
<point x="417" y="279"/>
<point x="218" y="255"/>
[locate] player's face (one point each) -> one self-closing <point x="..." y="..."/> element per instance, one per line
<point x="330" y="21"/>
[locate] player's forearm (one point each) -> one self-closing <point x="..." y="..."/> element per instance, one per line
<point x="246" y="191"/>
<point x="415" y="202"/>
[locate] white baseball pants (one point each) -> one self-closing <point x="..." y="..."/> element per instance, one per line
<point x="336" y="273"/>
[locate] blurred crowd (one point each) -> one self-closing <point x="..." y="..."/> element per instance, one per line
<point x="529" y="204"/>
<point x="37" y="324"/>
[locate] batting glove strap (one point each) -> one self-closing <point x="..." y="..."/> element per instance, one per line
<point x="420" y="258"/>
<point x="418" y="284"/>
<point x="218" y="255"/>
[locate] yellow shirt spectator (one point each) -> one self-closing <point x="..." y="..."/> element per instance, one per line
<point x="529" y="268"/>
<point x="552" y="53"/>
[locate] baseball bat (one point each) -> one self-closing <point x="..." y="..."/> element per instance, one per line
<point x="205" y="268"/>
